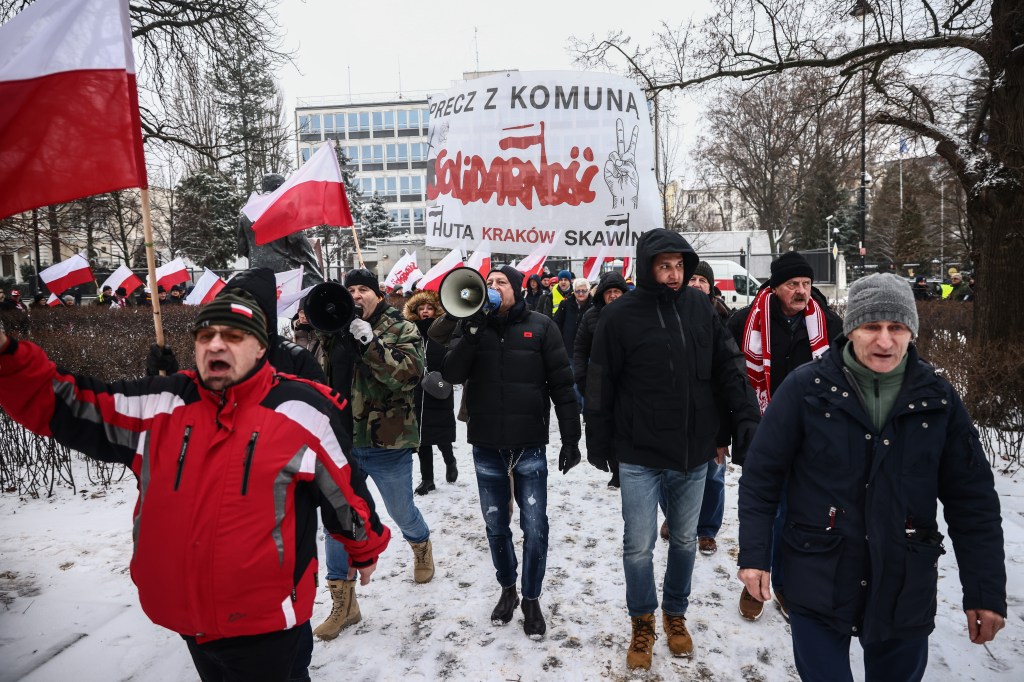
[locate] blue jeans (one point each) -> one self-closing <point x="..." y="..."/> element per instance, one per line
<point x="391" y="472"/>
<point x="822" y="654"/>
<point x="712" y="509"/>
<point x="683" y="491"/>
<point x="530" y="473"/>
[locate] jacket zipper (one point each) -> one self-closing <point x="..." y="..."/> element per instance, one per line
<point x="248" y="461"/>
<point x="181" y="456"/>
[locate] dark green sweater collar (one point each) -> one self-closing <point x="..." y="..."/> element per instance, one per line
<point x="879" y="390"/>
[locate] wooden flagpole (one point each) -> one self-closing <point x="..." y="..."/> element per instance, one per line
<point x="147" y="228"/>
<point x="359" y="252"/>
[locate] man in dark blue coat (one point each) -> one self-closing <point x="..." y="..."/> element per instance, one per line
<point x="865" y="441"/>
<point x="514" y="366"/>
<point x="662" y="369"/>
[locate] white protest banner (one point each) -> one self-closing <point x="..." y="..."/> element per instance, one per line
<point x="523" y="159"/>
<point x="404" y="274"/>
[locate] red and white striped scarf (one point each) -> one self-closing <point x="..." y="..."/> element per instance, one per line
<point x="757" y="342"/>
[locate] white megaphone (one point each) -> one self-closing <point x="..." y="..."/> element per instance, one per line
<point x="464" y="293"/>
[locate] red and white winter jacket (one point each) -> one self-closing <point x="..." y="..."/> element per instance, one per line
<point x="229" y="483"/>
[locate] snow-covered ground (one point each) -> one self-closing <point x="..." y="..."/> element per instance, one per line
<point x="69" y="611"/>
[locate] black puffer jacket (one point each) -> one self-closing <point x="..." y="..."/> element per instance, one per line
<point x="861" y="542"/>
<point x="284" y="355"/>
<point x="512" y="374"/>
<point x="662" y="364"/>
<point x="790" y="347"/>
<point x="585" y="334"/>
<point x="568" y="318"/>
<point x="532" y="297"/>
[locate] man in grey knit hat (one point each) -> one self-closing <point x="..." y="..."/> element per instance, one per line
<point x="864" y="442"/>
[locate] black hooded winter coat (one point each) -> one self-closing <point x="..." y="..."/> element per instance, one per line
<point x="661" y="367"/>
<point x="585" y="334"/>
<point x="284" y="355"/>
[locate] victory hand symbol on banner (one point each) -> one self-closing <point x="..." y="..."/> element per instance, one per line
<point x="620" y="169"/>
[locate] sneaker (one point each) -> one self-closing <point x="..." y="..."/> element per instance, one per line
<point x="641" y="647"/>
<point x="781" y="603"/>
<point x="707" y="546"/>
<point x="750" y="608"/>
<point x="679" y="641"/>
<point x="665" y="535"/>
<point x="506" y="606"/>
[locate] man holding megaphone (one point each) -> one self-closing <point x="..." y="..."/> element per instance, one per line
<point x="513" y="364"/>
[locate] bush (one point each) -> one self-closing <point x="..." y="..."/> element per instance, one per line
<point x="95" y="341"/>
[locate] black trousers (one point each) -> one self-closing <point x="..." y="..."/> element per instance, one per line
<point x="426" y="455"/>
<point x="252" y="658"/>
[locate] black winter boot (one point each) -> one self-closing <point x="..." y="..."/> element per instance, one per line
<point x="451" y="472"/>
<point x="507" y="604"/>
<point x="425" y="487"/>
<point x="533" y="619"/>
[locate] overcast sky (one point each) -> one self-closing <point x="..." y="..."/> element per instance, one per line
<point x="425" y="46"/>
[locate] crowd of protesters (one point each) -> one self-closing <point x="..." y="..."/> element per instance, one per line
<point x="846" y="438"/>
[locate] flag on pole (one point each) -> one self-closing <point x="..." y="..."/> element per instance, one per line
<point x="313" y="195"/>
<point x="206" y="289"/>
<point x="124" y="278"/>
<point x="404" y="274"/>
<point x="481" y="258"/>
<point x="66" y="274"/>
<point x="533" y="264"/>
<point x="592" y="266"/>
<point x="289" y="283"/>
<point x="53" y="301"/>
<point x="432" y="279"/>
<point x="69" y="111"/>
<point x="169" y="274"/>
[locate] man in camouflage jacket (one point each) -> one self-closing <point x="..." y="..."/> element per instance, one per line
<point x="378" y="365"/>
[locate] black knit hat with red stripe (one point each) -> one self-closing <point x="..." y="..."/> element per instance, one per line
<point x="236" y="308"/>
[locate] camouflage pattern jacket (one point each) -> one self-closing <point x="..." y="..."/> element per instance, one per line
<point x="386" y="375"/>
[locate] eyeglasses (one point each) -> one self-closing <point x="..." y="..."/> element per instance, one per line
<point x="229" y="336"/>
<point x="583" y="291"/>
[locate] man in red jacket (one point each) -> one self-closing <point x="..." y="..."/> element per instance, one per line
<point x="232" y="461"/>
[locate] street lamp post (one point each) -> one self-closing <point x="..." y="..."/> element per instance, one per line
<point x="861" y="9"/>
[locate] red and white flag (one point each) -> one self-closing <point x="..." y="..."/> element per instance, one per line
<point x="533" y="264"/>
<point x="627" y="263"/>
<point x="432" y="279"/>
<point x="481" y="258"/>
<point x="169" y="274"/>
<point x="206" y="289"/>
<point x="405" y="273"/>
<point x="313" y="195"/>
<point x="123" y="277"/>
<point x="289" y="283"/>
<point x="54" y="301"/>
<point x="69" y="110"/>
<point x="592" y="266"/>
<point x="66" y="274"/>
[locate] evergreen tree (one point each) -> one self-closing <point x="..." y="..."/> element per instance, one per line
<point x="207" y="219"/>
<point x="905" y="235"/>
<point x="376" y="221"/>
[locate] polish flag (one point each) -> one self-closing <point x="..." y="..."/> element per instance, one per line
<point x="313" y="195"/>
<point x="206" y="289"/>
<point x="627" y="263"/>
<point x="289" y="283"/>
<point x="592" y="266"/>
<point x="69" y="111"/>
<point x="405" y="273"/>
<point x="66" y="274"/>
<point x="242" y="310"/>
<point x="169" y="274"/>
<point x="533" y="264"/>
<point x="481" y="258"/>
<point x="54" y="301"/>
<point x="432" y="279"/>
<point x="122" y="277"/>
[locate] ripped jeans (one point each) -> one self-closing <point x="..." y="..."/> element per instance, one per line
<point x="529" y="468"/>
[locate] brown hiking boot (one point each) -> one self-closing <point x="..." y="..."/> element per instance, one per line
<point x="423" y="561"/>
<point x="707" y="546"/>
<point x="781" y="603"/>
<point x="344" y="611"/>
<point x="641" y="648"/>
<point x="679" y="641"/>
<point x="750" y="608"/>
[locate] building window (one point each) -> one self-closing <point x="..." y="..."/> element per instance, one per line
<point x="372" y="153"/>
<point x="412" y="186"/>
<point x="425" y="114"/>
<point x="392" y="187"/>
<point x="359" y="121"/>
<point x="406" y="217"/>
<point x="417" y="217"/>
<point x="366" y="187"/>
<point x="352" y="154"/>
<point x="383" y="120"/>
<point x="691" y="199"/>
<point x="419" y="151"/>
<point x="329" y="123"/>
<point x="403" y="153"/>
<point x="306" y="153"/>
<point x="393" y="216"/>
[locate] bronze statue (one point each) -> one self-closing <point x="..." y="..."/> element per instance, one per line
<point x="286" y="253"/>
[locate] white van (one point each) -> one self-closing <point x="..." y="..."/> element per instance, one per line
<point x="734" y="281"/>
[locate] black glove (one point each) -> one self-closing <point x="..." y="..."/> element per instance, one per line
<point x="160" y="358"/>
<point x="745" y="431"/>
<point x="568" y="457"/>
<point x="472" y="326"/>
<point x="597" y="460"/>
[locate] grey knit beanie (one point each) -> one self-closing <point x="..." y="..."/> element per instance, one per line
<point x="880" y="297"/>
<point x="705" y="271"/>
